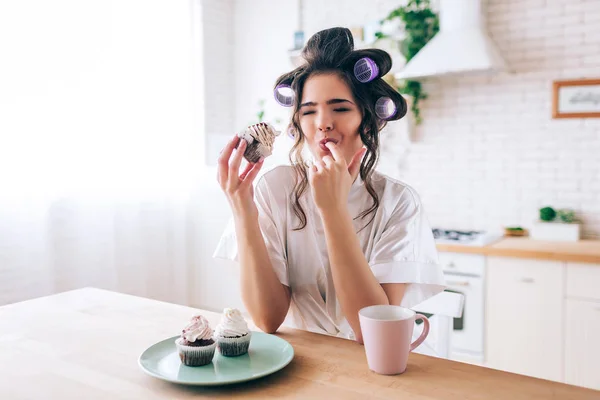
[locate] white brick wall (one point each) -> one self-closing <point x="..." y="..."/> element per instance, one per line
<point x="488" y="153"/>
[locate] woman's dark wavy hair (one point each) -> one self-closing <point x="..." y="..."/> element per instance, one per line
<point x="331" y="51"/>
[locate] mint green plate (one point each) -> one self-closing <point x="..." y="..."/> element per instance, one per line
<point x="267" y="354"/>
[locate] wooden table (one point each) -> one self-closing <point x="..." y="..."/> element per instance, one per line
<point x="84" y="344"/>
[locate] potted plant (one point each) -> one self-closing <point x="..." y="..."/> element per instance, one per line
<point x="559" y="225"/>
<point x="420" y="23"/>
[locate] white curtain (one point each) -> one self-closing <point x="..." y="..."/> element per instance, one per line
<point x="99" y="147"/>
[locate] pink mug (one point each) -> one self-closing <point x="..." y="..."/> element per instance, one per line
<point x="387" y="331"/>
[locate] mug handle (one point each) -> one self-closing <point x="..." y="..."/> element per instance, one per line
<point x="424" y="334"/>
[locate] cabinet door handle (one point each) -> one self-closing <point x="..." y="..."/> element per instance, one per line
<point x="457" y="283"/>
<point x="527" y="280"/>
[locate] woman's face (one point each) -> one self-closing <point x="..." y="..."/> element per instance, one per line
<point x="328" y="112"/>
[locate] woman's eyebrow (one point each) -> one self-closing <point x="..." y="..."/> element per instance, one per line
<point x="331" y="101"/>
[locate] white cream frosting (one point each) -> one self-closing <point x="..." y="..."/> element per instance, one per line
<point x="198" y="329"/>
<point x="265" y="133"/>
<point x="232" y="324"/>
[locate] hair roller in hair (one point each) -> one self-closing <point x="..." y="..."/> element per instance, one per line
<point x="385" y="108"/>
<point x="291" y="132"/>
<point x="284" y="95"/>
<point x="365" y="70"/>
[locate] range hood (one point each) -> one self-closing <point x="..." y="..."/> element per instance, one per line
<point x="461" y="46"/>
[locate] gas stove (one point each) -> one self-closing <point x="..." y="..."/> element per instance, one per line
<point x="464" y="237"/>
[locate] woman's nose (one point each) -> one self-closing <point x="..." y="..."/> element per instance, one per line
<point x="324" y="122"/>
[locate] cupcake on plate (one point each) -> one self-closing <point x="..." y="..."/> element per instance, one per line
<point x="232" y="334"/>
<point x="196" y="345"/>
<point x="260" y="138"/>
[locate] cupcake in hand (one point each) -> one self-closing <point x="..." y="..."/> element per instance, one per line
<point x="260" y="138"/>
<point x="232" y="334"/>
<point x="196" y="345"/>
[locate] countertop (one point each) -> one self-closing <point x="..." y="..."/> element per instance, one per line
<point x="86" y="343"/>
<point x="584" y="251"/>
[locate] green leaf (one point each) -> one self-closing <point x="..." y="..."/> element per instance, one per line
<point x="420" y="25"/>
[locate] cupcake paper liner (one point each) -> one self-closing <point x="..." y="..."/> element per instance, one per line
<point x="255" y="151"/>
<point x="195" y="356"/>
<point x="233" y="346"/>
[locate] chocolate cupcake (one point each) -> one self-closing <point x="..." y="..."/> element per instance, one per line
<point x="196" y="345"/>
<point x="260" y="138"/>
<point x="232" y="334"/>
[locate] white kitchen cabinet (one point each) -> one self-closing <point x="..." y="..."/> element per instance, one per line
<point x="583" y="281"/>
<point x="582" y="344"/>
<point x="582" y="332"/>
<point x="525" y="316"/>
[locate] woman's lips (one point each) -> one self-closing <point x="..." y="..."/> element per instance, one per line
<point x="324" y="141"/>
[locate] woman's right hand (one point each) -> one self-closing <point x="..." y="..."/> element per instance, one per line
<point x="238" y="187"/>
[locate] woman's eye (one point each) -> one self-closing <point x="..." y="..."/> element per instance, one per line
<point x="341" y="109"/>
<point x="308" y="112"/>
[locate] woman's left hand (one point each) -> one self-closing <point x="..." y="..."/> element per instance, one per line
<point x="331" y="178"/>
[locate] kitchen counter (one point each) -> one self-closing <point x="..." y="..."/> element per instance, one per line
<point x="85" y="343"/>
<point x="584" y="251"/>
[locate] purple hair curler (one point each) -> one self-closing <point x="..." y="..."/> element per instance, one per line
<point x="365" y="70"/>
<point x="284" y="95"/>
<point x="290" y="132"/>
<point x="385" y="108"/>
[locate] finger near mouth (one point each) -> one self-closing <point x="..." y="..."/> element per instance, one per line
<point x="324" y="147"/>
<point x="323" y="144"/>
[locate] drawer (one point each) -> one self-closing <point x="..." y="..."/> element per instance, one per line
<point x="473" y="264"/>
<point x="545" y="275"/>
<point x="583" y="280"/>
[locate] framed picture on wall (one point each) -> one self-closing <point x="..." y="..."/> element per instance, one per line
<point x="576" y="99"/>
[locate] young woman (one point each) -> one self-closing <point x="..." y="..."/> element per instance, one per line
<point x="325" y="240"/>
